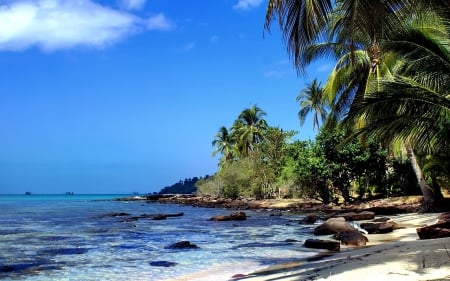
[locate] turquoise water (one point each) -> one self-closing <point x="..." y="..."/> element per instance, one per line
<point x="76" y="237"/>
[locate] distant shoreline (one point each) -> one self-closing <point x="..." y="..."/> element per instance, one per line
<point x="388" y="206"/>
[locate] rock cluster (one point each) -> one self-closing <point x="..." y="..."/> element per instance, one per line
<point x="344" y="229"/>
<point x="440" y="229"/>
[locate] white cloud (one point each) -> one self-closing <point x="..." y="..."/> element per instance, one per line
<point x="159" y="22"/>
<point x="247" y="4"/>
<point x="61" y="24"/>
<point x="133" y="4"/>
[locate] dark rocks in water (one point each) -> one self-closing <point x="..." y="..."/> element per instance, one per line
<point x="333" y="226"/>
<point x="182" y="245"/>
<point x="309" y="219"/>
<point x="351" y="238"/>
<point x="290" y="241"/>
<point x="163" y="263"/>
<point x="322" y="244"/>
<point x="6" y="268"/>
<point x="236" y="216"/>
<point x="64" y="251"/>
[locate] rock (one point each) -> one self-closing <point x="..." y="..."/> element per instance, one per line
<point x="440" y="229"/>
<point x="381" y="219"/>
<point x="352" y="216"/>
<point x="352" y="238"/>
<point x="163" y="263"/>
<point x="444" y="217"/>
<point x="333" y="226"/>
<point x="309" y="219"/>
<point x="221" y="218"/>
<point x="182" y="245"/>
<point x="379" y="227"/>
<point x="159" y="217"/>
<point x="237" y="216"/>
<point x="322" y="244"/>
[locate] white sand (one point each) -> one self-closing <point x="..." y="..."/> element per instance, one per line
<point x="395" y="256"/>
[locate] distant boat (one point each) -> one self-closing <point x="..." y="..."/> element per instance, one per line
<point x="27" y="193"/>
<point x="69" y="193"/>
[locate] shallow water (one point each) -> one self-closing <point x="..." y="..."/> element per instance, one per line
<point x="76" y="238"/>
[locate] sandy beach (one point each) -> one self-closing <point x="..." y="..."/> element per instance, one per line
<point x="395" y="256"/>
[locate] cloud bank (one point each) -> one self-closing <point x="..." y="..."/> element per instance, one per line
<point x="62" y="24"/>
<point x="247" y="4"/>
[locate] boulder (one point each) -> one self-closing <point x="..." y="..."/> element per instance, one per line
<point x="351" y="238"/>
<point x="440" y="229"/>
<point x="309" y="219"/>
<point x="352" y="216"/>
<point x="237" y="216"/>
<point x="333" y="226"/>
<point x="322" y="244"/>
<point x="379" y="227"/>
<point x="182" y="245"/>
<point x="163" y="263"/>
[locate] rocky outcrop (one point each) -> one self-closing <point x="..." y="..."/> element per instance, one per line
<point x="236" y="216"/>
<point x="351" y="238"/>
<point x="333" y="226"/>
<point x="322" y="244"/>
<point x="439" y="230"/>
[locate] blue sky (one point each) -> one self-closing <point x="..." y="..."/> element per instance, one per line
<point x="125" y="96"/>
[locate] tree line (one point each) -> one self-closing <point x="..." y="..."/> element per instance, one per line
<point x="385" y="103"/>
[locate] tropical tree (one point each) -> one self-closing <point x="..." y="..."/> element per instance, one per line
<point x="365" y="37"/>
<point x="312" y="100"/>
<point x="412" y="108"/>
<point x="224" y="144"/>
<point x="248" y="129"/>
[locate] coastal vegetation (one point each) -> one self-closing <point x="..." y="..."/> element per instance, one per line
<point x="384" y="109"/>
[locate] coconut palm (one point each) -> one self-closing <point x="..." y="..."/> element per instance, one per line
<point x="312" y="100"/>
<point x="248" y="129"/>
<point x="412" y="107"/>
<point x="224" y="144"/>
<point x="362" y="36"/>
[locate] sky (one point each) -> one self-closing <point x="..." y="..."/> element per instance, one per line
<point x="121" y="96"/>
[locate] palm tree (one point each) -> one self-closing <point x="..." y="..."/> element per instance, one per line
<point x="334" y="27"/>
<point x="312" y="100"/>
<point x="224" y="144"/>
<point x="412" y="107"/>
<point x="362" y="35"/>
<point x="248" y="129"/>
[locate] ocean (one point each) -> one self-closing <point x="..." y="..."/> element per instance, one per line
<point x="78" y="237"/>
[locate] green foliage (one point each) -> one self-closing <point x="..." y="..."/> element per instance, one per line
<point x="188" y="186"/>
<point x="236" y="178"/>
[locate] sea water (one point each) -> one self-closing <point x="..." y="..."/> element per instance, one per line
<point x="76" y="237"/>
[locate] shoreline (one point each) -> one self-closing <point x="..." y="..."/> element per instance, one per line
<point x="386" y="206"/>
<point x="398" y="255"/>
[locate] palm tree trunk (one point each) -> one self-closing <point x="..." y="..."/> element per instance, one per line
<point x="430" y="198"/>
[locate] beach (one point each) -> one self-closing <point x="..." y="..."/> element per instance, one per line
<point x="395" y="256"/>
